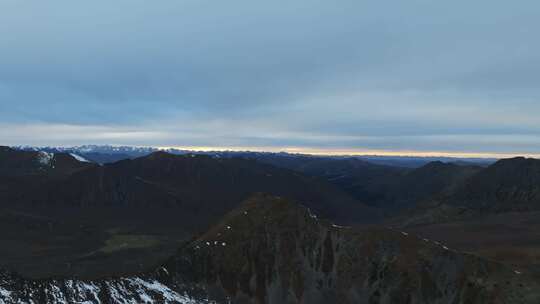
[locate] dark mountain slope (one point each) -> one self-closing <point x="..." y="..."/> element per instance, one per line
<point x="31" y="163"/>
<point x="389" y="188"/>
<point x="362" y="180"/>
<point x="121" y="218"/>
<point x="433" y="179"/>
<point x="380" y="186"/>
<point x="201" y="188"/>
<point x="508" y="185"/>
<point x="274" y="251"/>
<point x="22" y="172"/>
<point x="271" y="250"/>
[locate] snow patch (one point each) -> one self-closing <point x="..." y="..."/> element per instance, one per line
<point x="165" y="269"/>
<point x="57" y="294"/>
<point x="168" y="296"/>
<point x="133" y="290"/>
<point x="313" y="216"/>
<point x="4" y="295"/>
<point x="79" y="158"/>
<point x="45" y="158"/>
<point x="340" y="227"/>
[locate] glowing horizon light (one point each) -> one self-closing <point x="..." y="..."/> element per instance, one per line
<point x="353" y="152"/>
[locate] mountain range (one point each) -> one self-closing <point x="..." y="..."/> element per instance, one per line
<point x="249" y="227"/>
<point x="159" y="199"/>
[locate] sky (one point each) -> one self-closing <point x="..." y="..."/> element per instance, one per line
<point x="412" y="77"/>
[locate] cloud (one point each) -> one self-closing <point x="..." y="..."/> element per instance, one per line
<point x="414" y="75"/>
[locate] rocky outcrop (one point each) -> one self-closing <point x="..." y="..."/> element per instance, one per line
<point x="144" y="289"/>
<point x="274" y="251"/>
<point x="271" y="250"/>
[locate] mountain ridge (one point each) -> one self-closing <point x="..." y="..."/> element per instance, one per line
<point x="273" y="250"/>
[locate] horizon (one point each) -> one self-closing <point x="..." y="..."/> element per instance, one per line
<point x="302" y="151"/>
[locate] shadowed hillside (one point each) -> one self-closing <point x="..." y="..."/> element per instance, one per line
<point x="271" y="250"/>
<point x="124" y="217"/>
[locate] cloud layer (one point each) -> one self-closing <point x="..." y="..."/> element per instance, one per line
<point x="354" y="75"/>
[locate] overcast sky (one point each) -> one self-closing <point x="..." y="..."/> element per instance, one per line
<point x="355" y="76"/>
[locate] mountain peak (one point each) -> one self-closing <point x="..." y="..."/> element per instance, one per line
<point x="272" y="250"/>
<point x="263" y="208"/>
<point x="507" y="185"/>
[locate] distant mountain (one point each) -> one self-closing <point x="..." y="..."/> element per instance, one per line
<point x="417" y="162"/>
<point x="96" y="154"/>
<point x="390" y="188"/>
<point x="369" y="179"/>
<point x="271" y="250"/>
<point x="507" y="185"/>
<point x="23" y="171"/>
<point x="393" y="189"/>
<point x="199" y="185"/>
<point x="155" y="198"/>
<point x="19" y="163"/>
<point x="107" y="154"/>
<point x="364" y="181"/>
<point x="434" y="179"/>
<point x="385" y="187"/>
<point x="105" y="149"/>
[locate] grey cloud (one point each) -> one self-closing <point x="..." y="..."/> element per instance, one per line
<point x="355" y="74"/>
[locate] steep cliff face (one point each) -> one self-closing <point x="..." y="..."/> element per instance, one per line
<point x="274" y="251"/>
<point x="271" y="250"/>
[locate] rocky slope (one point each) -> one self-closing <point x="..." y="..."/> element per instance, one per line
<point x="271" y="250"/>
<point x="274" y="251"/>
<point x="140" y="289"/>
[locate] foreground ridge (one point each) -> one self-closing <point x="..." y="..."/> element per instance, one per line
<point x="272" y="250"/>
